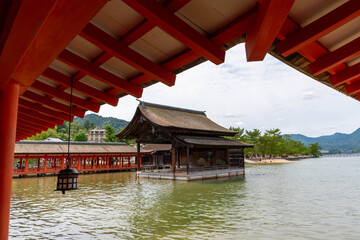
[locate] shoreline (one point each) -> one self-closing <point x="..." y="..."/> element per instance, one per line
<point x="268" y="161"/>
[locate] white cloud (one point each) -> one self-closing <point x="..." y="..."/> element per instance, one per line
<point x="239" y="123"/>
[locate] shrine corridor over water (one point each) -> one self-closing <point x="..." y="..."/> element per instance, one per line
<point x="307" y="199"/>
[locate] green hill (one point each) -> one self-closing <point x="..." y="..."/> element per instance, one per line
<point x="100" y="121"/>
<point x="339" y="141"/>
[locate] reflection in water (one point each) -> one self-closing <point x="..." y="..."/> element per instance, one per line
<point x="309" y="199"/>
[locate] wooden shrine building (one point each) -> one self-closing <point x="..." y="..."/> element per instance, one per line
<point x="198" y="147"/>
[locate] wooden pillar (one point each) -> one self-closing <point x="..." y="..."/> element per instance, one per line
<point x="187" y="159"/>
<point x="38" y="162"/>
<point x="78" y="164"/>
<point x="107" y="162"/>
<point x="93" y="162"/>
<point x="45" y="163"/>
<point x="9" y="100"/>
<point x="178" y="157"/>
<point x="27" y="164"/>
<point x="62" y="163"/>
<point x="138" y="160"/>
<point x="228" y="156"/>
<point x="20" y="165"/>
<point x="173" y="155"/>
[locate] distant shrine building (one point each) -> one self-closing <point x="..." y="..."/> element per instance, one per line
<point x="198" y="147"/>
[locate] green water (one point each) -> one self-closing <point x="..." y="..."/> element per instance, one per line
<point x="307" y="199"/>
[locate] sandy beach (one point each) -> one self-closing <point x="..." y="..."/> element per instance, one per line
<point x="267" y="161"/>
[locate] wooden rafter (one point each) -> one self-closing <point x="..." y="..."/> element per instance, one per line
<point x="38" y="115"/>
<point x="49" y="90"/>
<point x="35" y="121"/>
<point x="320" y="27"/>
<point x="349" y="74"/>
<point x="340" y="55"/>
<point x="353" y="87"/>
<point x="46" y="101"/>
<point x="231" y="31"/>
<point x="270" y="17"/>
<point x="312" y="51"/>
<point x="126" y="54"/>
<point x="99" y="73"/>
<point x="83" y="88"/>
<point x="39" y="108"/>
<point x="140" y="30"/>
<point x="177" y="28"/>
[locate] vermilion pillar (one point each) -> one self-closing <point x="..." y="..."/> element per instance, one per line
<point x="9" y="99"/>
<point x="27" y="164"/>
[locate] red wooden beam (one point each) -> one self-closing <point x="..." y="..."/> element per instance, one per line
<point x="340" y="55"/>
<point x="35" y="121"/>
<point x="320" y="27"/>
<point x="270" y="18"/>
<point x="353" y="87"/>
<point x="177" y="28"/>
<point x="126" y="54"/>
<point x="27" y="18"/>
<point x="64" y="22"/>
<point x="33" y="129"/>
<point x="40" y="116"/>
<point x="38" y="107"/>
<point x="347" y="75"/>
<point x="231" y="31"/>
<point x="65" y="80"/>
<point x="99" y="73"/>
<point x="140" y="30"/>
<point x="20" y="129"/>
<point x="53" y="104"/>
<point x="49" y="90"/>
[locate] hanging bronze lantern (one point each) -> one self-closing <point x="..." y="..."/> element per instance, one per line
<point x="68" y="177"/>
<point x="67" y="180"/>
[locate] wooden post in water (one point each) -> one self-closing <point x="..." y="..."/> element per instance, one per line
<point x="45" y="163"/>
<point x="138" y="159"/>
<point x="178" y="157"/>
<point x="187" y="159"/>
<point x="27" y="164"/>
<point x="173" y="155"/>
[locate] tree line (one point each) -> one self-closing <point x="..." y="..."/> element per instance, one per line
<point x="272" y="142"/>
<point x="78" y="132"/>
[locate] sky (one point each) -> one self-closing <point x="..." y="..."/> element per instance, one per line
<point x="263" y="95"/>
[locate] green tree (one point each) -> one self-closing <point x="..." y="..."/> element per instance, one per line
<point x="87" y="125"/>
<point x="110" y="135"/>
<point x="315" y="149"/>
<point x="253" y="137"/>
<point x="239" y="135"/>
<point x="80" y="136"/>
<point x="274" y="138"/>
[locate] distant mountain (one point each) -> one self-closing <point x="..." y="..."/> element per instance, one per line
<point x="100" y="121"/>
<point x="339" y="141"/>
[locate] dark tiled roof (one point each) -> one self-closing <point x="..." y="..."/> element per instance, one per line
<point x="212" y="141"/>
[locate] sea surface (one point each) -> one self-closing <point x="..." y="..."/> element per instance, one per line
<point x="306" y="199"/>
